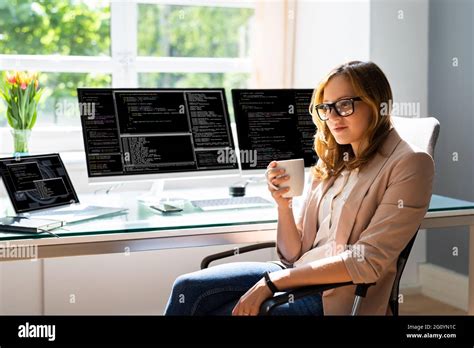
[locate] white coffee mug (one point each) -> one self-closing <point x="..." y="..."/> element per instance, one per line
<point x="295" y="169"/>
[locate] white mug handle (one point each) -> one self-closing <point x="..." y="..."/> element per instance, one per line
<point x="269" y="183"/>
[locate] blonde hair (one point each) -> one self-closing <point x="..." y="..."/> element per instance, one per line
<point x="370" y="83"/>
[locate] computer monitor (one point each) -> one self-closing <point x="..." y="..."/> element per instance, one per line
<point x="149" y="134"/>
<point x="273" y="124"/>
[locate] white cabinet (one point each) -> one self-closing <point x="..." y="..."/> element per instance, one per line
<point x="139" y="283"/>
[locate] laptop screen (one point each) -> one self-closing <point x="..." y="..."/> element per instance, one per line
<point x="37" y="182"/>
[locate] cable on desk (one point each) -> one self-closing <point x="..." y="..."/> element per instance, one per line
<point x="109" y="189"/>
<point x="49" y="232"/>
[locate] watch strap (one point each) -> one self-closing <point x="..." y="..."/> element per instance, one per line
<point x="269" y="283"/>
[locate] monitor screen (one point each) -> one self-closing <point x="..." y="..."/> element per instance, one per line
<point x="148" y="133"/>
<point x="273" y="124"/>
<point x="37" y="182"/>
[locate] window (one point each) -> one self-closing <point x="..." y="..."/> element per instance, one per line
<point x="30" y="30"/>
<point x="64" y="27"/>
<point x="193" y="31"/>
<point x="98" y="43"/>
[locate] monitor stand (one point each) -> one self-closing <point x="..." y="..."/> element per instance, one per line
<point x="158" y="197"/>
<point x="155" y="195"/>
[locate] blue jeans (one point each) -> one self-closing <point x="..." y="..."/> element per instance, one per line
<point x="216" y="290"/>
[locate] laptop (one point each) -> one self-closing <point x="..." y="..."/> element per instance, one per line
<point x="39" y="187"/>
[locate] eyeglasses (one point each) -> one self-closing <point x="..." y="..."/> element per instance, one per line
<point x="344" y="107"/>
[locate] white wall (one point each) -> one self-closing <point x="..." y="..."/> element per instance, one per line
<point x="399" y="45"/>
<point x="329" y="33"/>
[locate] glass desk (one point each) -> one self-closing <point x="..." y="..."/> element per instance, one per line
<point x="140" y="218"/>
<point x="143" y="229"/>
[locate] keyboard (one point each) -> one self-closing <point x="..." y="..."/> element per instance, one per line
<point x="231" y="203"/>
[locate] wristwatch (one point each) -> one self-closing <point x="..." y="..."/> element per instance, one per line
<point x="269" y="283"/>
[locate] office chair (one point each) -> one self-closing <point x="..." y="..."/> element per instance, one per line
<point x="421" y="132"/>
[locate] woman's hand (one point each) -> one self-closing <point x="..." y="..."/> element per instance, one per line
<point x="250" y="302"/>
<point x="276" y="176"/>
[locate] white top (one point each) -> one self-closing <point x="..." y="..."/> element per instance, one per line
<point x="328" y="217"/>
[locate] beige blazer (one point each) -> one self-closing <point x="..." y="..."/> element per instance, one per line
<point x="379" y="218"/>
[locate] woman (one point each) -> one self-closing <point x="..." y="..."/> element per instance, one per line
<point x="370" y="191"/>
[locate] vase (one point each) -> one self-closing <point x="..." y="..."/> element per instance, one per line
<point x="21" y="138"/>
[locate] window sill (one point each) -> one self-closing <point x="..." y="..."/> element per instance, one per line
<point x="46" y="140"/>
<point x="68" y="157"/>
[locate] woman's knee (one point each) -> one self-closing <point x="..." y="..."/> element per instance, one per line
<point x="183" y="283"/>
<point x="238" y="274"/>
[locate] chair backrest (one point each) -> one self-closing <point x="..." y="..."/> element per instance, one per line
<point x="401" y="262"/>
<point x="421" y="132"/>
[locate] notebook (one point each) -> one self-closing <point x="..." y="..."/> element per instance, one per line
<point x="39" y="187"/>
<point x="23" y="224"/>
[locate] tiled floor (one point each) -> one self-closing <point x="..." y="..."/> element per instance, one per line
<point x="423" y="305"/>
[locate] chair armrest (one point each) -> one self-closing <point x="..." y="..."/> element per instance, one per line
<point x="282" y="298"/>
<point x="217" y="256"/>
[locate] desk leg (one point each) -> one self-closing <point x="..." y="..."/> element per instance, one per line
<point x="470" y="310"/>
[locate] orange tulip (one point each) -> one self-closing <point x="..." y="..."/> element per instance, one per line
<point x="11" y="78"/>
<point x="13" y="92"/>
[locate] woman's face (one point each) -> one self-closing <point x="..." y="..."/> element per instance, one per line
<point x="353" y="126"/>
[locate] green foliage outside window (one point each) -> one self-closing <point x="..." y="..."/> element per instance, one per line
<point x="82" y="28"/>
